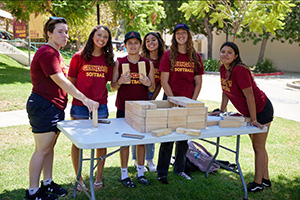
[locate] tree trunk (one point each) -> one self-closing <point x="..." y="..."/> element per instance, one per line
<point x="262" y="49"/>
<point x="209" y="37"/>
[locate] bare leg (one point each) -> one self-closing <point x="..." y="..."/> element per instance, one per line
<point x="261" y="156"/>
<point x="47" y="167"/>
<point x="42" y="156"/>
<point x="75" y="160"/>
<point x="100" y="167"/>
<point x="124" y="156"/>
<point x="140" y="154"/>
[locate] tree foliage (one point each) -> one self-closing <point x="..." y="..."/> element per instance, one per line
<point x="81" y="31"/>
<point x="175" y="16"/>
<point x="75" y="11"/>
<point x="142" y="16"/>
<point x="255" y="17"/>
<point x="291" y="30"/>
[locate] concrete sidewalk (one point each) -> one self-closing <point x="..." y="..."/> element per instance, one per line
<point x="286" y="100"/>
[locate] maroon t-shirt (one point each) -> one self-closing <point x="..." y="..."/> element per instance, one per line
<point x="156" y="70"/>
<point x="48" y="61"/>
<point x="181" y="79"/>
<point x="91" y="77"/>
<point x="135" y="90"/>
<point x="241" y="78"/>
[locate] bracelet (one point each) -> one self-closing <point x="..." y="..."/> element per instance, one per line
<point x="150" y="84"/>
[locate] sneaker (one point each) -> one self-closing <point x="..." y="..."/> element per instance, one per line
<point x="266" y="182"/>
<point x="254" y="187"/>
<point x="135" y="165"/>
<point x="184" y="175"/>
<point x="41" y="195"/>
<point x="54" y="188"/>
<point x="151" y="166"/>
<point x="163" y="180"/>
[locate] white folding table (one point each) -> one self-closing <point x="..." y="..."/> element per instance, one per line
<point x="85" y="136"/>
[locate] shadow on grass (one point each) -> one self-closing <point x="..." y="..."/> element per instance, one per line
<point x="10" y="74"/>
<point x="282" y="188"/>
<point x="220" y="185"/>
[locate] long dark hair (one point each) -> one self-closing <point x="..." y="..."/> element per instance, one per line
<point x="192" y="54"/>
<point x="161" y="46"/>
<point x="107" y="49"/>
<point x="236" y="61"/>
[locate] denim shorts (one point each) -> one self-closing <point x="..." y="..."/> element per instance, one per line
<point x="82" y="112"/>
<point x="266" y="115"/>
<point x="43" y="115"/>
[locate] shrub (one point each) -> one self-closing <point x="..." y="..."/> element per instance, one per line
<point x="265" y="66"/>
<point x="211" y="65"/>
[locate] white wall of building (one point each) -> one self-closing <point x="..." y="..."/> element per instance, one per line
<point x="284" y="55"/>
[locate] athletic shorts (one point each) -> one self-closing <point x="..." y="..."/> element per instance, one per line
<point x="266" y="115"/>
<point x="43" y="115"/>
<point x="82" y="112"/>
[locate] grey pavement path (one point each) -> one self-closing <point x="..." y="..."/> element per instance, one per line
<point x="286" y="100"/>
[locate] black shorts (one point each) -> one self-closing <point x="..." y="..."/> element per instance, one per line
<point x="43" y="115"/>
<point x="266" y="115"/>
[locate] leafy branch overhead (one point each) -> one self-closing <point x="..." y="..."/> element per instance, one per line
<point x="139" y="15"/>
<point x="258" y="15"/>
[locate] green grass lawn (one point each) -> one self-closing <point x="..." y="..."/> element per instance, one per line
<point x="283" y="145"/>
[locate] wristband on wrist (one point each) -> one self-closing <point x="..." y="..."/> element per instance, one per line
<point x="150" y="84"/>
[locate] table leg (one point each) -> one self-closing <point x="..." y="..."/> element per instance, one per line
<point x="213" y="158"/>
<point x="92" y="174"/>
<point x="239" y="167"/>
<point x="78" y="174"/>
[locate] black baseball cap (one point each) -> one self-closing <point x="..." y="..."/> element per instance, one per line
<point x="132" y="34"/>
<point x="182" y="26"/>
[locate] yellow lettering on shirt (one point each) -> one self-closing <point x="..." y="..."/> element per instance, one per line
<point x="135" y="78"/>
<point x="95" y="74"/>
<point x="186" y="67"/>
<point x="95" y="68"/>
<point x="226" y="86"/>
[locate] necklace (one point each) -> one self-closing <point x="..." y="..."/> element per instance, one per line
<point x="133" y="62"/>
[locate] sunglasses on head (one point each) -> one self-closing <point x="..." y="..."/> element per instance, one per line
<point x="57" y="18"/>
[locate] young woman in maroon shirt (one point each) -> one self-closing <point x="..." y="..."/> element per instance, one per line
<point x="240" y="88"/>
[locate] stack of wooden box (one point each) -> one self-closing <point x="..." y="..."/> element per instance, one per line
<point x="145" y="116"/>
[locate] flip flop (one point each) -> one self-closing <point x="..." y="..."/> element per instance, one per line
<point x="80" y="189"/>
<point x="98" y="185"/>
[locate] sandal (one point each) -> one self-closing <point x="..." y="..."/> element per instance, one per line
<point x="98" y="185"/>
<point x="143" y="180"/>
<point x="80" y="189"/>
<point x="127" y="182"/>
